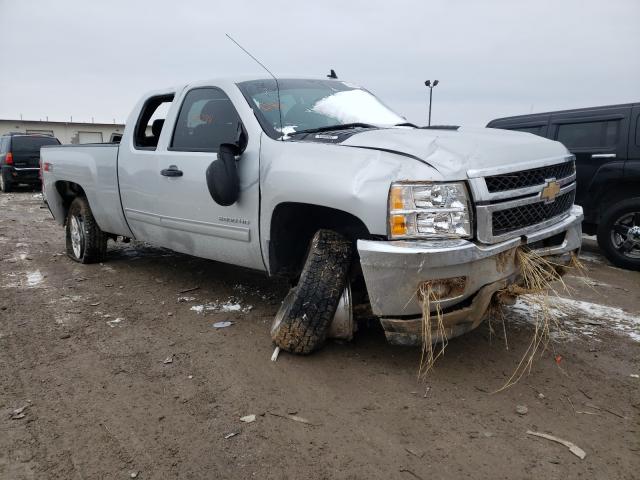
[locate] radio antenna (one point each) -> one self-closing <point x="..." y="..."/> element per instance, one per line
<point x="269" y="72"/>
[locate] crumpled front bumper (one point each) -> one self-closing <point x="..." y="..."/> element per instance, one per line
<point x="394" y="270"/>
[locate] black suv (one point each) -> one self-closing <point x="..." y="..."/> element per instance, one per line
<point x="20" y="158"/>
<point x="606" y="143"/>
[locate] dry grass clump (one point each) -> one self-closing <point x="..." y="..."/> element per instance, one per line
<point x="429" y="353"/>
<point x="537" y="276"/>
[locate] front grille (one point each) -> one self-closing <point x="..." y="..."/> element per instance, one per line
<point x="511" y="219"/>
<point x="529" y="178"/>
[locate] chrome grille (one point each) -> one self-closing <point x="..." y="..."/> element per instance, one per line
<point x="516" y="218"/>
<point x="529" y="178"/>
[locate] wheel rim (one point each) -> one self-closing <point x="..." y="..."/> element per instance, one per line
<point x="625" y="235"/>
<point x="77" y="235"/>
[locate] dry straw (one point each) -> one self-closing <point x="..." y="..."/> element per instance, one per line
<point x="429" y="340"/>
<point x="537" y="276"/>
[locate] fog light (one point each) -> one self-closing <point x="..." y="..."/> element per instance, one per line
<point x="446" y="288"/>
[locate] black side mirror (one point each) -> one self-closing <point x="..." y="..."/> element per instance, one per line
<point x="222" y="175"/>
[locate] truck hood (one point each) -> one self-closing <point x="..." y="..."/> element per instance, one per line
<point x="455" y="152"/>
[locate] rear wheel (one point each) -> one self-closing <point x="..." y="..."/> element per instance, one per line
<point x="86" y="243"/>
<point x="301" y="324"/>
<point x="619" y="234"/>
<point x="5" y="183"/>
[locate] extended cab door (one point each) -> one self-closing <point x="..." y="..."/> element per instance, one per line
<point x="598" y="139"/>
<point x="177" y="210"/>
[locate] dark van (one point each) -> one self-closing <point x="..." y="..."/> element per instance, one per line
<point x="606" y="143"/>
<point x="20" y="158"/>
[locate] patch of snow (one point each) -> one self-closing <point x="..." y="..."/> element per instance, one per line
<point x="113" y="323"/>
<point x="581" y="316"/>
<point x="186" y="299"/>
<point x="230" y="306"/>
<point x="286" y="131"/>
<point x="34" y="278"/>
<point x="353" y="106"/>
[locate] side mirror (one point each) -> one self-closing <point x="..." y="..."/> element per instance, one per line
<point x="222" y="175"/>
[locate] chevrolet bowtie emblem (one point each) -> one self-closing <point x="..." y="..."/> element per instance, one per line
<point x="550" y="191"/>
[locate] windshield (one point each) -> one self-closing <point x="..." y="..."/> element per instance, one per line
<point x="311" y="104"/>
<point x="29" y="144"/>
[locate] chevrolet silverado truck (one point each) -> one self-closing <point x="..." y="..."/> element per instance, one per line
<point x="318" y="181"/>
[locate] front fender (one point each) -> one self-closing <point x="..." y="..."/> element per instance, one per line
<point x="349" y="179"/>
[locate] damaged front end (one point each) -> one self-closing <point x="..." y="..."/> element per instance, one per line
<point x="528" y="210"/>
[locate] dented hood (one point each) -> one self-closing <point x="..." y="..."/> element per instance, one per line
<point x="454" y="152"/>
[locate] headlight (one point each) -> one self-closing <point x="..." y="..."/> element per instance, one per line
<point x="429" y="210"/>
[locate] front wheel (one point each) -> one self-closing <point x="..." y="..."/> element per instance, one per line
<point x="619" y="234"/>
<point x="86" y="243"/>
<point x="302" y="323"/>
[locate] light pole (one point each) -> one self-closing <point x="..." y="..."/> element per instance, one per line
<point x="430" y="86"/>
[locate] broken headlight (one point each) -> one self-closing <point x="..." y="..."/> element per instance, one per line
<point x="429" y="210"/>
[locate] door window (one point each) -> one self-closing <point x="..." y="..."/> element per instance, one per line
<point x="206" y="120"/>
<point x="603" y="134"/>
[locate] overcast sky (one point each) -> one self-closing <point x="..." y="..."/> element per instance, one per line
<point x="492" y="57"/>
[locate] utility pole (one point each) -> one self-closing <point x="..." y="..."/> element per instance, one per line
<point x="430" y="86"/>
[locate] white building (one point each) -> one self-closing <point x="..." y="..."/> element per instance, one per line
<point x="66" y="132"/>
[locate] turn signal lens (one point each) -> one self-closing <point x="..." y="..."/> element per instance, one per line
<point x="396" y="198"/>
<point x="398" y="225"/>
<point x="8" y="160"/>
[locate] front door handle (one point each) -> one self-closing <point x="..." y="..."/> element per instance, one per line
<point x="603" y="155"/>
<point x="172" y="171"/>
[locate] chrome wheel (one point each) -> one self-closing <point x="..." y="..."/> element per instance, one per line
<point x="625" y="235"/>
<point x="77" y="236"/>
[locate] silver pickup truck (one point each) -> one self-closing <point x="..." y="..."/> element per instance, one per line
<point x="318" y="181"/>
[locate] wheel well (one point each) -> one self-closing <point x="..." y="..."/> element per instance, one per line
<point x="294" y="224"/>
<point x="610" y="194"/>
<point x="68" y="191"/>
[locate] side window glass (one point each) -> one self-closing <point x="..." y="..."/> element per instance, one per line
<point x="581" y="135"/>
<point x="638" y="130"/>
<point x="207" y="119"/>
<point x="151" y="121"/>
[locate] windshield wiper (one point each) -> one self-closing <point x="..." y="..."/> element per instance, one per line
<point x="330" y="128"/>
<point x="406" y="124"/>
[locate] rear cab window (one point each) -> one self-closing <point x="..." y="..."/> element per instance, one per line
<point x="151" y="122"/>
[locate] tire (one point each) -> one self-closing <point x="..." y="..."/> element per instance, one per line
<point x="301" y="324"/>
<point x="86" y="243"/>
<point x="5" y="184"/>
<point x="619" y="234"/>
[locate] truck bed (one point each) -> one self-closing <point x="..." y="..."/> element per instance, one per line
<point x="95" y="167"/>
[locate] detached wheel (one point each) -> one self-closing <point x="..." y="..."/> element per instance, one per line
<point x="619" y="234"/>
<point x="301" y="324"/>
<point x="86" y="243"/>
<point x="5" y="184"/>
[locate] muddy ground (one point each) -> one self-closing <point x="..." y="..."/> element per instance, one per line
<point x="121" y="376"/>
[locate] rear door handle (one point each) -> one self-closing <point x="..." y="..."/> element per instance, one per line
<point x="172" y="171"/>
<point x="603" y="155"/>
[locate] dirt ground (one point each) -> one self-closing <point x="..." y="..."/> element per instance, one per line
<point x="123" y="378"/>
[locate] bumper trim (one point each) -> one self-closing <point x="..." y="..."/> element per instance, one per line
<point x="393" y="270"/>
